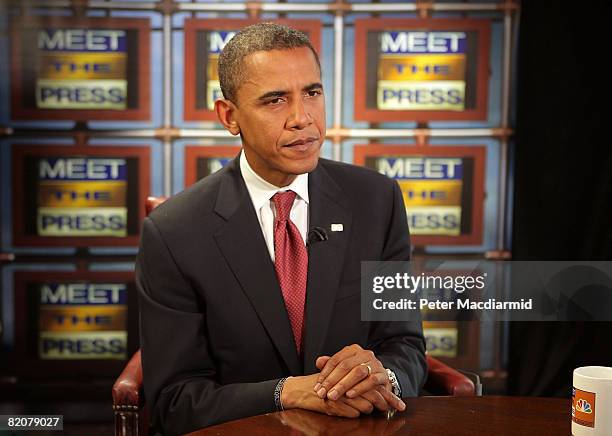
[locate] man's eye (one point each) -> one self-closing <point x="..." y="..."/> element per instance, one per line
<point x="275" y="101"/>
<point x="313" y="92"/>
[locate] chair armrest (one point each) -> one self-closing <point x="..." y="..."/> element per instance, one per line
<point x="127" y="390"/>
<point x="152" y="202"/>
<point x="444" y="380"/>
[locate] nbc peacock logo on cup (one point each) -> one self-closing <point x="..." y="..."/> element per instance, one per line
<point x="583" y="407"/>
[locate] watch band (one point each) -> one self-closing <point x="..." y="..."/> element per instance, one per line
<point x="395" y="386"/>
<point x="277" y="394"/>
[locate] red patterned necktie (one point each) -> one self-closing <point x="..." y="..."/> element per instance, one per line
<point x="291" y="263"/>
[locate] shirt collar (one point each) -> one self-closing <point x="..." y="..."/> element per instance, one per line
<point x="261" y="191"/>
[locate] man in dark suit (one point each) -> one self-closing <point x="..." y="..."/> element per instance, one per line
<point x="249" y="281"/>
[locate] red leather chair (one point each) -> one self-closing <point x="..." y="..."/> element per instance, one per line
<point x="444" y="380"/>
<point x="153" y="202"/>
<point x="131" y="414"/>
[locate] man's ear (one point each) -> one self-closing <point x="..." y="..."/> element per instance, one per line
<point x="226" y="112"/>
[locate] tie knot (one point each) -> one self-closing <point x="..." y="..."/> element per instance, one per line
<point x="283" y="201"/>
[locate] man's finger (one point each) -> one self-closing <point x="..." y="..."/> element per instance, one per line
<point x="360" y="403"/>
<point x="341" y="370"/>
<point x="321" y="361"/>
<point x="359" y="374"/>
<point x="376" y="399"/>
<point x="340" y="408"/>
<point x="341" y="355"/>
<point x="392" y="400"/>
<point x="372" y="382"/>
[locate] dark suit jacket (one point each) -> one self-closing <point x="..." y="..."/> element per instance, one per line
<point x="215" y="334"/>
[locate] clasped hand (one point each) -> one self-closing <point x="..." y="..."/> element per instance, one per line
<point x="351" y="382"/>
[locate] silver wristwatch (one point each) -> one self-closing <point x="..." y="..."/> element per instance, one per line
<point x="395" y="386"/>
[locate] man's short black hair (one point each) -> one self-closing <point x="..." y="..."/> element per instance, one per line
<point x="251" y="39"/>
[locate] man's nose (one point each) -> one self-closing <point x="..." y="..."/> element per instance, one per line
<point x="299" y="118"/>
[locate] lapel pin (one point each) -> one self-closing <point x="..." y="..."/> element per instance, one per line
<point x="337" y="227"/>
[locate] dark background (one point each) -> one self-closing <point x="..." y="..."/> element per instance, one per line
<point x="563" y="178"/>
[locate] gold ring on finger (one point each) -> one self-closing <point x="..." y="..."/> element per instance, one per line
<point x="367" y="365"/>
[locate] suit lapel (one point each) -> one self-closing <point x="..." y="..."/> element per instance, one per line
<point x="328" y="205"/>
<point x="243" y="246"/>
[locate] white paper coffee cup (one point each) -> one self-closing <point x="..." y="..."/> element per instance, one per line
<point x="592" y="401"/>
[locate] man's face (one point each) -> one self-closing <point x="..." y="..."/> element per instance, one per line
<point x="281" y="113"/>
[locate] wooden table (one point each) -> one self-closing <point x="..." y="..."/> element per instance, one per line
<point x="456" y="416"/>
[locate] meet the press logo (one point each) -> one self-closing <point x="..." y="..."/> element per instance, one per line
<point x="82" y="69"/>
<point x="420" y="70"/>
<point x="82" y="320"/>
<point x="80" y="196"/>
<point x="432" y="188"/>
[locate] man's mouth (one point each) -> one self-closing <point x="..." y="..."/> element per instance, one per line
<point x="302" y="144"/>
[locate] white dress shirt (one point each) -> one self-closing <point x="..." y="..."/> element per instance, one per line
<point x="261" y="192"/>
